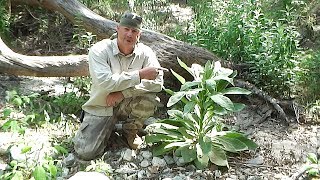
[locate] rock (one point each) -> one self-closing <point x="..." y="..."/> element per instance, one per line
<point x="65" y="172"/>
<point x="89" y="175"/>
<point x="169" y="159"/>
<point x="179" y="161"/>
<point x="150" y="120"/>
<point x="159" y="162"/>
<point x="125" y="170"/>
<point x="69" y="160"/>
<point x="141" y="174"/>
<point x="179" y="177"/>
<point x="128" y="155"/>
<point x="145" y="163"/>
<point x="132" y="177"/>
<point x="146" y="154"/>
<point x="15" y="152"/>
<point x="256" y="161"/>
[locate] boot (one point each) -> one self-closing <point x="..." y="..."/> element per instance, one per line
<point x="130" y="132"/>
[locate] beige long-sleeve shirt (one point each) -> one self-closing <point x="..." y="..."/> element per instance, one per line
<point x="112" y="71"/>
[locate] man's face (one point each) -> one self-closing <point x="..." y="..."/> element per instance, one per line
<point x="128" y="36"/>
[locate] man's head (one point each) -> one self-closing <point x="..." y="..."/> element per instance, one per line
<point x="129" y="29"/>
<point x="131" y="20"/>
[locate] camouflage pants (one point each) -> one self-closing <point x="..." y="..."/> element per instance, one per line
<point x="94" y="132"/>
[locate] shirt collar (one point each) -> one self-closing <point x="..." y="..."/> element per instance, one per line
<point x="116" y="51"/>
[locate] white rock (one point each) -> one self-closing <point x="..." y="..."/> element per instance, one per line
<point x="89" y="175"/>
<point x="128" y="155"/>
<point x="256" y="161"/>
<point x="150" y="120"/>
<point x="146" y="154"/>
<point x="156" y="161"/>
<point x="169" y="159"/>
<point x="141" y="174"/>
<point x="125" y="170"/>
<point x="145" y="163"/>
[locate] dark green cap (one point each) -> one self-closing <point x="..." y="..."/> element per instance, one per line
<point x="131" y="20"/>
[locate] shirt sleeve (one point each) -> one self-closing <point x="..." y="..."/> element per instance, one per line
<point x="101" y="73"/>
<point x="147" y="86"/>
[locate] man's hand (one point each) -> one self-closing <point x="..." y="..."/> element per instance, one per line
<point x="114" y="98"/>
<point x="150" y="73"/>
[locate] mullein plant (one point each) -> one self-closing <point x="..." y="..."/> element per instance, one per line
<point x="194" y="130"/>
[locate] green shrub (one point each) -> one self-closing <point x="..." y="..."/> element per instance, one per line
<point x="241" y="32"/>
<point x="194" y="131"/>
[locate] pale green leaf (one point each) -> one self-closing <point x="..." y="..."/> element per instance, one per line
<point x="161" y="150"/>
<point x="17" y="175"/>
<point x="238" y="107"/>
<point x="189" y="85"/>
<point x="39" y="173"/>
<point x="175" y="98"/>
<point x="218" y="156"/>
<point x="184" y="66"/>
<point x="53" y="170"/>
<point x="155" y="138"/>
<point x="61" y="149"/>
<point x="17" y="101"/>
<point x="231" y="144"/>
<point x="223" y="101"/>
<point x="249" y="143"/>
<point x="188" y="153"/>
<point x="189" y="107"/>
<point x="180" y="78"/>
<point x="225" y="78"/>
<point x="235" y="90"/>
<point x="6" y="112"/>
<point x="312" y="158"/>
<point x="26" y="149"/>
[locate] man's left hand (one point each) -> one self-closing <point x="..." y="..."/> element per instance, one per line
<point x="114" y="98"/>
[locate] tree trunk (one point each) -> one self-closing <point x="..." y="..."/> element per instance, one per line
<point x="166" y="48"/>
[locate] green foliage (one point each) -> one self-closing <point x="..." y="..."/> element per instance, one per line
<point x="313" y="165"/>
<point x="193" y="130"/>
<point x="309" y="76"/>
<point x="241" y="32"/>
<point x="99" y="165"/>
<point x="20" y="170"/>
<point x="38" y="109"/>
<point x="5" y="16"/>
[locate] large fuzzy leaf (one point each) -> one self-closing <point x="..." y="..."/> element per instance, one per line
<point x="155" y="138"/>
<point x="235" y="90"/>
<point x="202" y="158"/>
<point x="231" y="144"/>
<point x="161" y="149"/>
<point x="186" y="133"/>
<point x="179" y="123"/>
<point x="180" y="78"/>
<point x="218" y="156"/>
<point x="188" y="85"/>
<point x="249" y="143"/>
<point x="39" y="173"/>
<point x="188" y="153"/>
<point x="184" y="66"/>
<point x="189" y="107"/>
<point x="238" y="107"/>
<point x="176" y="97"/>
<point x="223" y="101"/>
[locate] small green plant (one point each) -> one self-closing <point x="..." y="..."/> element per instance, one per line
<point x="313" y="165"/>
<point x="99" y="165"/>
<point x="48" y="169"/>
<point x="194" y="131"/>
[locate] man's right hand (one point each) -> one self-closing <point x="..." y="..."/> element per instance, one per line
<point x="149" y="73"/>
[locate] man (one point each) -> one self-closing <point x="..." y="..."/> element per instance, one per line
<point x="125" y="77"/>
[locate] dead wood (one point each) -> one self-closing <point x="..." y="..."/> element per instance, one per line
<point x="274" y="102"/>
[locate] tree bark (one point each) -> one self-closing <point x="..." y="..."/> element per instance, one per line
<point x="166" y="48"/>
